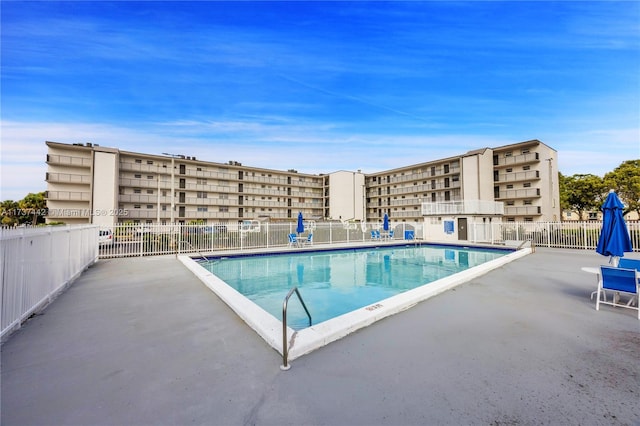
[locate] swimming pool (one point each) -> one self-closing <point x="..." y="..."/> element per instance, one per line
<point x="333" y="283"/>
<point x="305" y="340"/>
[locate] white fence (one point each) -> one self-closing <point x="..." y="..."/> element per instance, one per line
<point x="576" y="235"/>
<point x="37" y="264"/>
<point x="124" y="240"/>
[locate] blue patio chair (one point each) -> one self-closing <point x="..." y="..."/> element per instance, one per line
<point x="375" y="234"/>
<point x="629" y="263"/>
<point x="293" y="240"/>
<point x="619" y="280"/>
<point x="390" y="235"/>
<point x="309" y="240"/>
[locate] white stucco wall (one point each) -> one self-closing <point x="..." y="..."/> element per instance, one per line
<point x="105" y="188"/>
<point x="477" y="176"/>
<point x="346" y="196"/>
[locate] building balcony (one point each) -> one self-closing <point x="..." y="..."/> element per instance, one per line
<point x="522" y="210"/>
<point x="143" y="198"/>
<point x="466" y="207"/>
<point x="516" y="176"/>
<point x="145" y="214"/>
<point x="144" y="168"/>
<point x="68" y="160"/>
<point x="510" y="194"/>
<point x="67" y="178"/>
<point x="139" y="183"/>
<point x="531" y="157"/>
<point x="68" y="196"/>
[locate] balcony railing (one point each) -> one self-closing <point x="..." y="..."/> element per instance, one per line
<point x="517" y="176"/>
<point x="67" y="178"/>
<point x="530" y="157"/>
<point x="68" y="196"/>
<point x="474" y="207"/>
<point x="518" y="193"/>
<point x="522" y="210"/>
<point x="68" y="160"/>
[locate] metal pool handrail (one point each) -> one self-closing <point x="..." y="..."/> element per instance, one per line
<point x="194" y="248"/>
<point x="285" y="348"/>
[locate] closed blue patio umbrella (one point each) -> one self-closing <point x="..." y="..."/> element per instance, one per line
<point x="614" y="238"/>
<point x="300" y="228"/>
<point x="385" y="222"/>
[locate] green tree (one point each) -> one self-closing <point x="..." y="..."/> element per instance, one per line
<point x="625" y="180"/>
<point x="584" y="192"/>
<point x="563" y="182"/>
<point x="10" y="212"/>
<point x="34" y="206"/>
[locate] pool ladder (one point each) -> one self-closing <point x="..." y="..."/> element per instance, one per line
<point x="194" y="248"/>
<point x="285" y="347"/>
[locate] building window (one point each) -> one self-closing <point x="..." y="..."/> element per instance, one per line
<point x="203" y="209"/>
<point x="509" y="170"/>
<point x="526" y="167"/>
<point x="508" y="154"/>
<point x="525" y="151"/>
<point x="201" y="194"/>
<point x="527" y="202"/>
<point x="149" y="206"/>
<point x="164" y="207"/>
<point x="164" y="193"/>
<point x="447" y="196"/>
<point x="433" y="171"/>
<point x="139" y="161"/>
<point x="446" y="168"/>
<point x="149" y="177"/>
<point x="527" y="185"/>
<point x="510" y="186"/>
<point x="137" y="176"/>
<point x="149" y="191"/>
<point x="136" y="206"/>
<point x="510" y="203"/>
<point x="224" y="209"/>
<point x="149" y="161"/>
<point x="201" y="181"/>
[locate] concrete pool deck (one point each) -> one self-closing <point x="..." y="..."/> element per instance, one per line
<point x="141" y="341"/>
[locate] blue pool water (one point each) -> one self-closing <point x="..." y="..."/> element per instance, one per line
<point x="336" y="282"/>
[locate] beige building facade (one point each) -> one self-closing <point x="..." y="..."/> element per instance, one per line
<point x="87" y="183"/>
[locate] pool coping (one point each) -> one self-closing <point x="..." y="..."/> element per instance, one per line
<point x="309" y="339"/>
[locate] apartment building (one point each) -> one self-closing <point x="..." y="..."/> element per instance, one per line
<point x="524" y="176"/>
<point x="87" y="183"/>
<point x="90" y="183"/>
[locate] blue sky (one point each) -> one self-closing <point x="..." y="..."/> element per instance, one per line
<point x="319" y="86"/>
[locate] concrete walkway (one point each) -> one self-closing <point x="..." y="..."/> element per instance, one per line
<point x="142" y="342"/>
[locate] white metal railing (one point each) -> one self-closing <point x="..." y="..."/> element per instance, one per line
<point x="463" y="207"/>
<point x="574" y="235"/>
<point x="131" y="239"/>
<point x="38" y="263"/>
